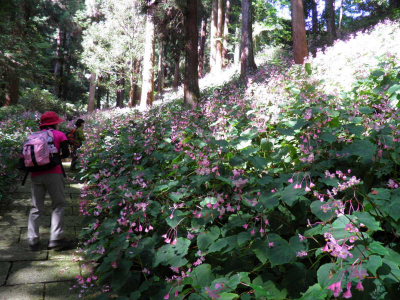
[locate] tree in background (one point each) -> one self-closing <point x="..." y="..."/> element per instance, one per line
<point x="247" y="62"/>
<point x="114" y="45"/>
<point x="298" y="32"/>
<point x="191" y="81"/>
<point x="330" y="20"/>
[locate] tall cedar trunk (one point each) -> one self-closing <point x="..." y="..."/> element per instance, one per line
<point x="62" y="66"/>
<point x="247" y="56"/>
<point x="133" y="85"/>
<point x="191" y="81"/>
<point x="120" y="92"/>
<point x="57" y="64"/>
<point x="203" y="36"/>
<point x="164" y="65"/>
<point x="148" y="63"/>
<point x="340" y="17"/>
<point x="226" y="33"/>
<point x="236" y="55"/>
<point x="160" y="83"/>
<point x="220" y="24"/>
<point x="98" y="92"/>
<point x="213" y="32"/>
<point x="298" y="32"/>
<point x="92" y="89"/>
<point x="330" y="20"/>
<point x="176" y="71"/>
<point x="11" y="95"/>
<point x="314" y="16"/>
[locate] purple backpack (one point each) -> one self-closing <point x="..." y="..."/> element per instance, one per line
<point x="39" y="152"/>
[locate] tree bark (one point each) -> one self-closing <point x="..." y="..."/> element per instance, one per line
<point x="176" y="72"/>
<point x="330" y="20"/>
<point x="120" y="92"/>
<point x="226" y="33"/>
<point x="191" y="81"/>
<point x="133" y="86"/>
<point x="160" y="83"/>
<point x="314" y="16"/>
<point x="148" y="63"/>
<point x="298" y="32"/>
<point x="220" y="24"/>
<point x="98" y="92"/>
<point x="12" y="91"/>
<point x="213" y="32"/>
<point x="92" y="89"/>
<point x="236" y="55"/>
<point x="202" y="43"/>
<point x="247" y="56"/>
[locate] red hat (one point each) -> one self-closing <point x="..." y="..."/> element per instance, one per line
<point x="49" y="118"/>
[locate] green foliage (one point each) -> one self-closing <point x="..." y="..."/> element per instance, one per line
<point x="224" y="202"/>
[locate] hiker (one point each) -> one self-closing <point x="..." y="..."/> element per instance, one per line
<point x="78" y="140"/>
<point x="51" y="181"/>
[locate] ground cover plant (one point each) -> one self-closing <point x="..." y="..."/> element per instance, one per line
<point x="274" y="189"/>
<point x="15" y="126"/>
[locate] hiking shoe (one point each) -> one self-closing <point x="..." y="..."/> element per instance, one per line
<point x="34" y="247"/>
<point x="63" y="244"/>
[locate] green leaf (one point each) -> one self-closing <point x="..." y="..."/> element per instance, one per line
<point x="315" y="292"/>
<point x="172" y="254"/>
<point x="362" y="148"/>
<point x="260" y="163"/>
<point x="328" y="137"/>
<point x="290" y="194"/>
<point x="373" y="263"/>
<point x="308" y="68"/>
<point x="218" y="245"/>
<point x="202" y="275"/>
<point x="228" y="296"/>
<point x="394" y="208"/>
<point x="243" y="237"/>
<point x="394" y="89"/>
<point x="323" y="216"/>
<point x="367" y="220"/>
<point x="377" y="248"/>
<point x="266" y="145"/>
<point x="236" y="161"/>
<point x="326" y="275"/>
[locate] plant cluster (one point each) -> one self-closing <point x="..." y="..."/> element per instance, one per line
<point x="239" y="199"/>
<point x="15" y="125"/>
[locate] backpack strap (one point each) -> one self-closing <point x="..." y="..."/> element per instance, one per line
<point x="23" y="180"/>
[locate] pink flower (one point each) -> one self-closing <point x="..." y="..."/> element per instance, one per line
<point x="359" y="286"/>
<point x="336" y="288"/>
<point x="271" y="245"/>
<point x="166" y="296"/>
<point x="290" y="180"/>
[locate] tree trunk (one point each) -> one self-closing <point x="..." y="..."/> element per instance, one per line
<point x="247" y="56"/>
<point x="213" y="32"/>
<point x="298" y="32"/>
<point x="12" y="90"/>
<point x="57" y="64"/>
<point x="220" y="24"/>
<point x="226" y="34"/>
<point x="92" y="89"/>
<point x="203" y="36"/>
<point x="340" y="17"/>
<point x="148" y="63"/>
<point x="160" y="83"/>
<point x="120" y="92"/>
<point x="133" y="86"/>
<point x="236" y="55"/>
<point x="98" y="92"/>
<point x="330" y="20"/>
<point x="314" y="16"/>
<point x="191" y="81"/>
<point x="176" y="72"/>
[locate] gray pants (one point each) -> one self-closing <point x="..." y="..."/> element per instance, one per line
<point x="54" y="184"/>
